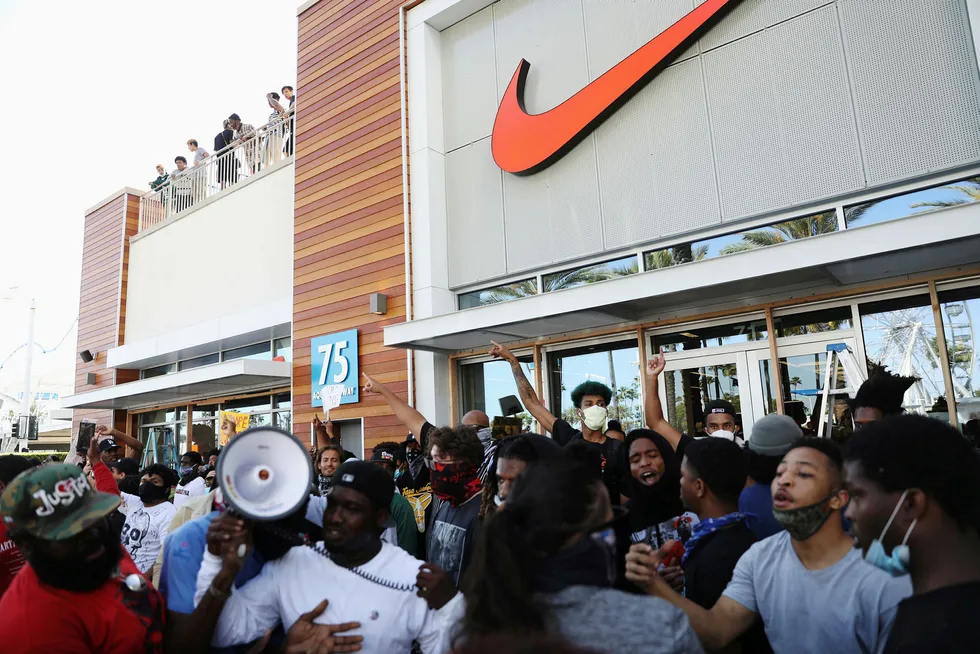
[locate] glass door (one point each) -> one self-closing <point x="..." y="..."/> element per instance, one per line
<point x="688" y="383"/>
<point x="802" y="371"/>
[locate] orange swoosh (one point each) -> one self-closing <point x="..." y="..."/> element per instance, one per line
<point x="524" y="144"/>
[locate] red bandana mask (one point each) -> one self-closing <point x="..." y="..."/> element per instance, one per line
<point x="455" y="482"/>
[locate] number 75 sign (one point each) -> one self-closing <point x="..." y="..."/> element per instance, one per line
<point x="334" y="363"/>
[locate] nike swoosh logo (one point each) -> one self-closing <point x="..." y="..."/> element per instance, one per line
<point x="524" y="144"/>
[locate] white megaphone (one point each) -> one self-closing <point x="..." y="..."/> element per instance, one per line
<point x="264" y="473"/>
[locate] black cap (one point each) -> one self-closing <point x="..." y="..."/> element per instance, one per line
<point x="107" y="444"/>
<point x="234" y="117"/>
<point x="720" y="406"/>
<point x="369" y="479"/>
<point x="382" y="456"/>
<point x="126" y="466"/>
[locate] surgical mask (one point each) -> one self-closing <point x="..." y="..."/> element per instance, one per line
<point x="723" y="433"/>
<point x="150" y="492"/>
<point x="898" y="563"/>
<point x="805" y="521"/>
<point x="595" y="417"/>
<point x="186" y="471"/>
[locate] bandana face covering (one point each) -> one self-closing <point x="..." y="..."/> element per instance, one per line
<point x="415" y="463"/>
<point x="455" y="482"/>
<point x="804" y="522"/>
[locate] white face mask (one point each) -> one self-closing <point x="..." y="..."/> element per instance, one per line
<point x="595" y="418"/>
<point x="724" y="433"/>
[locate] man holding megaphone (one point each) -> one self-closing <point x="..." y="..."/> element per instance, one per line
<point x="349" y="592"/>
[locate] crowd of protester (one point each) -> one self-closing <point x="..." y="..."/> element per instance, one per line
<point x="454" y="541"/>
<point x="230" y="167"/>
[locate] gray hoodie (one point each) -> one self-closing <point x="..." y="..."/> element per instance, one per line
<point x="612" y="621"/>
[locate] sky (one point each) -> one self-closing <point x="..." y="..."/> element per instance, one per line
<point x="96" y="94"/>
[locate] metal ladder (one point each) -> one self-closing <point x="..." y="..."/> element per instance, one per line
<point x="838" y="354"/>
<point x="169" y="450"/>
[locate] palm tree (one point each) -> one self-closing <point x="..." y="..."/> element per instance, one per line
<point x="792" y="230"/>
<point x="558" y="281"/>
<point x="970" y="188"/>
<point x="795" y="381"/>
<point x="675" y="255"/>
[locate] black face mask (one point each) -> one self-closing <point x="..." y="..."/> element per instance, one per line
<point x="150" y="492"/>
<point x="75" y="573"/>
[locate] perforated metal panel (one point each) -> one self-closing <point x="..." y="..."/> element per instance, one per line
<point x="551" y="36"/>
<point x="615" y="30"/>
<point x="655" y="165"/>
<point x="915" y="85"/>
<point x="753" y="15"/>
<point x="469" y="79"/>
<point x="476" y="215"/>
<point x="821" y="154"/>
<point x="553" y="215"/>
<point x="745" y="127"/>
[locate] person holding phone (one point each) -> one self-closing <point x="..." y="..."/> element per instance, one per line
<point x="111" y="449"/>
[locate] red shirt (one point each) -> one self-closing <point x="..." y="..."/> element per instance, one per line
<point x="11" y="560"/>
<point x="39" y="619"/>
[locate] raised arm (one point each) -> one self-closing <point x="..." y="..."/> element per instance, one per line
<point x="716" y="628"/>
<point x="653" y="411"/>
<point x="326" y="432"/>
<point x="127" y="440"/>
<point x="524" y="388"/>
<point x="104" y="481"/>
<point x="406" y="414"/>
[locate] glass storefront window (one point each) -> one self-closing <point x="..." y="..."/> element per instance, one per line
<point x="813" y="322"/>
<point x="283" y="347"/>
<point x="205" y="435"/>
<point x="248" y="405"/>
<point x="590" y="274"/>
<point x="958" y="308"/>
<point x="283" y="401"/>
<point x="790" y="230"/>
<point x="158" y="416"/>
<point x="901" y="335"/>
<point x="150" y="373"/>
<point x="616" y="365"/>
<point x="513" y="291"/>
<point x="259" y="420"/>
<point x="205" y="411"/>
<point x="966" y="191"/>
<point x="283" y="420"/>
<point x="258" y="351"/>
<point x="197" y="362"/>
<point x="689" y="389"/>
<point x="802" y="391"/>
<point x="483" y="384"/>
<point x="704" y="337"/>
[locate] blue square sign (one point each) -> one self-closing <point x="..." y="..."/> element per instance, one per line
<point x="334" y="367"/>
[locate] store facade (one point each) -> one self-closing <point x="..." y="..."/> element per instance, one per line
<point x="792" y="179"/>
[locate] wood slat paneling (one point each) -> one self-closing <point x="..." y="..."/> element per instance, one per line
<point x="349" y="230"/>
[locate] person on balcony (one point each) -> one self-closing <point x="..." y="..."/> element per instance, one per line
<point x="182" y="184"/>
<point x="161" y="180"/>
<point x="272" y="148"/>
<point x="198" y="152"/>
<point x="227" y="164"/>
<point x="290" y="94"/>
<point x="245" y="133"/>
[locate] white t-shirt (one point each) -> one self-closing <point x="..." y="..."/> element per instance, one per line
<point x="199" y="154"/>
<point x="848" y="607"/>
<point x="194" y="488"/>
<point x="145" y="529"/>
<point x="288" y="587"/>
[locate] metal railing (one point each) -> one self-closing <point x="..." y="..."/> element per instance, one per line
<point x="266" y="147"/>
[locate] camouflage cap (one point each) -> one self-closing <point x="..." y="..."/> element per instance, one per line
<point x="54" y="502"/>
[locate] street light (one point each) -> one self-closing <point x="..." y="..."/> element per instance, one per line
<point x="25" y="403"/>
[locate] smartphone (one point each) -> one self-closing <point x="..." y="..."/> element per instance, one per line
<point x="86" y="432"/>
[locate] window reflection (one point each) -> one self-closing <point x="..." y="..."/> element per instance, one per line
<point x="483" y="384"/>
<point x="965" y="191"/>
<point x="688" y="390"/>
<point x="813" y="322"/>
<point x="704" y="337"/>
<point x="790" y="230"/>
<point x="614" y="364"/>
<point x="590" y="274"/>
<point x="901" y="335"/>
<point x="802" y="390"/>
<point x="958" y="309"/>
<point x="258" y="351"/>
<point x="524" y="288"/>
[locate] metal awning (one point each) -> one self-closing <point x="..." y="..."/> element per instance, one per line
<point x="227" y="378"/>
<point x="937" y="240"/>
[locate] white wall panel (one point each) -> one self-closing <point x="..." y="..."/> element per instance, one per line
<point x="233" y="254"/>
<point x="750" y="16"/>
<point x="615" y="30"/>
<point x="553" y="215"/>
<point x="655" y="163"/>
<point x="469" y="80"/>
<point x="476" y="215"/>
<point x="915" y="85"/>
<point x="821" y="154"/>
<point x="551" y="36"/>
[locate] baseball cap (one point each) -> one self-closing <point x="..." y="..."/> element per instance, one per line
<point x="384" y="456"/>
<point x="410" y="439"/>
<point x="126" y="466"/>
<point x="234" y="117"/>
<point x="720" y="406"/>
<point x="108" y="444"/>
<point x="367" y="478"/>
<point x="774" y="435"/>
<point x="54" y="502"/>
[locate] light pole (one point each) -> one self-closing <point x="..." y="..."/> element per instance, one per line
<point x="25" y="403"/>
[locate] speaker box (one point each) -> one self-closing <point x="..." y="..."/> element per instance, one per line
<point x="264" y="473"/>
